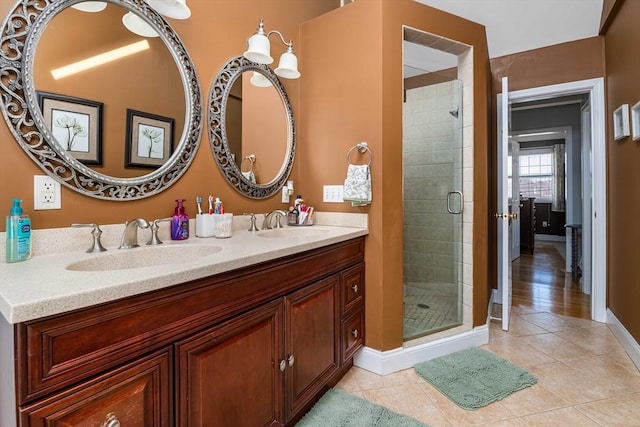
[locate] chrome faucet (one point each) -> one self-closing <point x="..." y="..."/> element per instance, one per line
<point x="268" y="219"/>
<point x="130" y="235"/>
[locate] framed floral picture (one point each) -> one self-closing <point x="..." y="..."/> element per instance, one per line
<point x="621" y="122"/>
<point x="75" y="123"/>
<point x="149" y="142"/>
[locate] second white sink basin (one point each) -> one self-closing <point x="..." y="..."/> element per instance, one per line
<point x="144" y="256"/>
<point x="292" y="232"/>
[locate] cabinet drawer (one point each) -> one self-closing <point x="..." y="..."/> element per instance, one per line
<point x="138" y="394"/>
<point x="352" y="288"/>
<point x="352" y="336"/>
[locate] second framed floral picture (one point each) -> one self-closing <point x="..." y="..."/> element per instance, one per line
<point x="149" y="142"/>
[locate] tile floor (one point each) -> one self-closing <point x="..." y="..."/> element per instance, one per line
<point x="429" y="307"/>
<point x="584" y="379"/>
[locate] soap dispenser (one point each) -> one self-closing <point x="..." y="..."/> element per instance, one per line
<point x="18" y="234"/>
<point x="179" y="222"/>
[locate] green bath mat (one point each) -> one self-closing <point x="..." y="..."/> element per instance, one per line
<point x="337" y="408"/>
<point x="474" y="378"/>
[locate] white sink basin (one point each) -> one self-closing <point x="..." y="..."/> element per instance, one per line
<point x="292" y="232"/>
<point x="142" y="257"/>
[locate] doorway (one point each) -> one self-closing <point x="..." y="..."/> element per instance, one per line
<point x="593" y="198"/>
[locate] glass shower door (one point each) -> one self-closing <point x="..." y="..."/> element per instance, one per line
<point x="433" y="208"/>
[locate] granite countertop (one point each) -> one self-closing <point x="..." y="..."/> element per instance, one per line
<point x="44" y="285"/>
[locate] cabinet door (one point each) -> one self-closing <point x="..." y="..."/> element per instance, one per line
<point x="229" y="375"/>
<point x="137" y="395"/>
<point x="312" y="341"/>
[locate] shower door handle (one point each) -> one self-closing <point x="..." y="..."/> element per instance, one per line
<point x="449" y="208"/>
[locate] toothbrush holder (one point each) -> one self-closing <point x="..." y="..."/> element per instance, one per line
<point x="205" y="225"/>
<point x="223" y="225"/>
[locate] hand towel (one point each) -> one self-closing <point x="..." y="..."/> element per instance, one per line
<point x="357" y="186"/>
<point x="250" y="176"/>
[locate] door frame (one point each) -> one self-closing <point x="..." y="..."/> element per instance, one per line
<point x="595" y="89"/>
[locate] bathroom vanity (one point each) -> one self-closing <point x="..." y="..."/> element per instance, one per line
<point x="244" y="340"/>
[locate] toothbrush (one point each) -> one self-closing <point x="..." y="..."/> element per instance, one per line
<point x="198" y="201"/>
<point x="210" y="205"/>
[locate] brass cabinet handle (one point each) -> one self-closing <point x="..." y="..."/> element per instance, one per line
<point x="354" y="288"/>
<point x="283" y="365"/>
<point x="291" y="360"/>
<point x="354" y="332"/>
<point x="111" y="421"/>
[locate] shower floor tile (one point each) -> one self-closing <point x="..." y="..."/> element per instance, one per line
<point x="429" y="308"/>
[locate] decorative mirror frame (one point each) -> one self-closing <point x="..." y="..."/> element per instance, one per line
<point x="218" y="97"/>
<point x="21" y="30"/>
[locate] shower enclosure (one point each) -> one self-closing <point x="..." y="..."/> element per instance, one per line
<point x="433" y="207"/>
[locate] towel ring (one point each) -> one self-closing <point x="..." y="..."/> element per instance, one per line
<point x="362" y="148"/>
<point x="252" y="160"/>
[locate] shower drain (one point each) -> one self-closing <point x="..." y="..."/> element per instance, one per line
<point x="423" y="305"/>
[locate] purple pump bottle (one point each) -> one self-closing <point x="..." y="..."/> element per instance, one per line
<point x="179" y="222"/>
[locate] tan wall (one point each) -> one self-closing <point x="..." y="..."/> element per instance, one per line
<point x="567" y="62"/>
<point x="354" y="93"/>
<point x="623" y="175"/>
<point x="216" y="32"/>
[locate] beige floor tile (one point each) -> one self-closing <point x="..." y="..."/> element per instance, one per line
<point x="573" y="384"/>
<point x="557" y="347"/>
<point x="409" y="400"/>
<point x="548" y="321"/>
<point x="511" y="422"/>
<point x="457" y="416"/>
<point x="599" y="340"/>
<point x="361" y="380"/>
<point x="517" y="327"/>
<point x="623" y="411"/>
<point x="517" y="351"/>
<point x="530" y="400"/>
<point x="610" y="378"/>
<point x="559" y="417"/>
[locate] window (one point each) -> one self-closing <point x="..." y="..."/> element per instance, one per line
<point x="536" y="173"/>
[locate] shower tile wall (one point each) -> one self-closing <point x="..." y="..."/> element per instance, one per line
<point x="432" y="168"/>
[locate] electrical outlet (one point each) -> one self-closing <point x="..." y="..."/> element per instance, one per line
<point x="545" y="224"/>
<point x="46" y="193"/>
<point x="332" y="193"/>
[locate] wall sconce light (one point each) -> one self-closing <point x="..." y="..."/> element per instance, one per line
<point x="90" y="6"/>
<point x="259" y="50"/>
<point x="138" y="26"/>
<point x="176" y="9"/>
<point x="259" y="80"/>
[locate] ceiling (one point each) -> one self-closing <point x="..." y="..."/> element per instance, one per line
<point x="514" y="26"/>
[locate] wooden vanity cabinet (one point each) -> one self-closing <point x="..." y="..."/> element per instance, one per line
<point x="275" y="359"/>
<point x="138" y="394"/>
<point x="253" y="347"/>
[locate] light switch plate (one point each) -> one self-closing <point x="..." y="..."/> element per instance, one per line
<point x="332" y="194"/>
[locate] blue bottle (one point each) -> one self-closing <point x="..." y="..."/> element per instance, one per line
<point x="18" y="234"/>
<point x="179" y="222"/>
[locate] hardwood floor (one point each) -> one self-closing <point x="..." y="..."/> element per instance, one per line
<point x="540" y="283"/>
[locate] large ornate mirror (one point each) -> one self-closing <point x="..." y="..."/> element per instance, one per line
<point x="122" y="130"/>
<point x="251" y="128"/>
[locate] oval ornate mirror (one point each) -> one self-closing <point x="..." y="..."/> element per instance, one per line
<point x="123" y="130"/>
<point x="251" y="128"/>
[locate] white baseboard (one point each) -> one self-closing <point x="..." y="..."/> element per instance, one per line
<point x="387" y="362"/>
<point x="626" y="340"/>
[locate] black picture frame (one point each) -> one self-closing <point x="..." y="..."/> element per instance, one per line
<point x="75" y="123"/>
<point x="149" y="139"/>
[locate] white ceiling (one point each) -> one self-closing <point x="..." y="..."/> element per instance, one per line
<point x="514" y="26"/>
